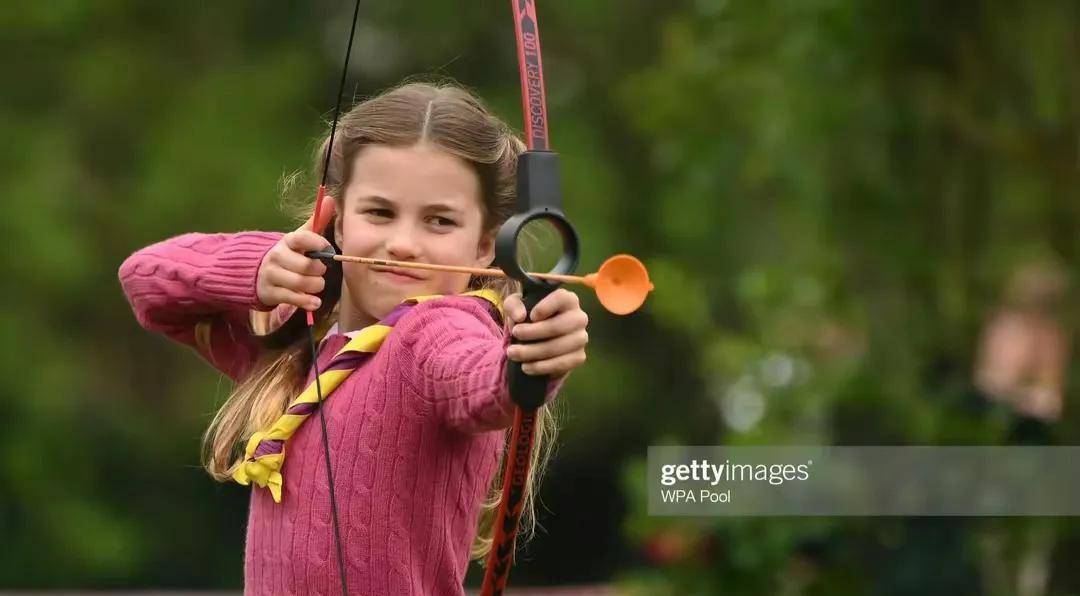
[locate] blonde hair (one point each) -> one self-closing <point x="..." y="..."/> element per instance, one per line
<point x="456" y="121"/>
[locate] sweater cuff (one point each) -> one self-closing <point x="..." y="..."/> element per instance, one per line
<point x="232" y="276"/>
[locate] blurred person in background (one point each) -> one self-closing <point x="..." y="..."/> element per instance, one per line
<point x="1024" y="351"/>
<point x="1022" y="358"/>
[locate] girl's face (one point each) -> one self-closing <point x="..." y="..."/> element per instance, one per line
<point x="416" y="204"/>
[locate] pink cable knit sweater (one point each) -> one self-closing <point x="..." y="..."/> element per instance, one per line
<point x="416" y="433"/>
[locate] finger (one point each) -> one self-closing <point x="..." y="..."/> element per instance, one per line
<point x="514" y="308"/>
<point x="298" y="263"/>
<point x="555" y="366"/>
<point x="302" y="241"/>
<point x="298" y="299"/>
<point x="555" y="302"/>
<point x="561" y="324"/>
<point x="307" y="284"/>
<point x="552" y="348"/>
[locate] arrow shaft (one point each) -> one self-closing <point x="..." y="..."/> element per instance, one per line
<point x="455" y="268"/>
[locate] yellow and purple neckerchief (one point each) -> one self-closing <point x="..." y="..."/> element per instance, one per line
<point x="265" y="453"/>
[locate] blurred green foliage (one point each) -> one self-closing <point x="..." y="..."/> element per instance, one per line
<point x="829" y="194"/>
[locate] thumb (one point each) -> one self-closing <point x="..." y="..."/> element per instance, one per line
<point x="325" y="213"/>
<point x="514" y="308"/>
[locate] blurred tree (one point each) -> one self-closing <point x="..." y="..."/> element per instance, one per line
<point x="854" y="181"/>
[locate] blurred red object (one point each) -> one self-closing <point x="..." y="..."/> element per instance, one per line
<point x="666" y="547"/>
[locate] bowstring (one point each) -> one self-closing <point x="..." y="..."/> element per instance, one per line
<point x="311" y="318"/>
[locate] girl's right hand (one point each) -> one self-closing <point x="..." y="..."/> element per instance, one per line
<point x="286" y="275"/>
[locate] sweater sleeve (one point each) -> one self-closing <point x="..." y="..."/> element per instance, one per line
<point x="455" y="357"/>
<point x="177" y="284"/>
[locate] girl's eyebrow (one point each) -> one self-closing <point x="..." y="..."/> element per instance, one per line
<point x="440" y="207"/>
<point x="385" y="202"/>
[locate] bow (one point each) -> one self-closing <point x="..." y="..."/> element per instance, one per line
<point x="622" y="284"/>
<point x="538" y="198"/>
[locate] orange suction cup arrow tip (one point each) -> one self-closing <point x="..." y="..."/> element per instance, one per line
<point x="621" y="284"/>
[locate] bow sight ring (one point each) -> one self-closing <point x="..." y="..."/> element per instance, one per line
<point x="538" y="198"/>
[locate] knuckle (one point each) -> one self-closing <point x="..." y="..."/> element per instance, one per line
<point x="299" y="238"/>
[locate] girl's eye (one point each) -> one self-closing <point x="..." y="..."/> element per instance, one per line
<point x="389" y="214"/>
<point x="443" y="221"/>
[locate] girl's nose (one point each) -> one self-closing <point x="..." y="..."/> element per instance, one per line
<point x="402" y="245"/>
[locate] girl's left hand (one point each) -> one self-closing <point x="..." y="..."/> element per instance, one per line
<point x="557" y="325"/>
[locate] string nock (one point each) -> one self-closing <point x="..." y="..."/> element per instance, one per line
<point x="326" y="254"/>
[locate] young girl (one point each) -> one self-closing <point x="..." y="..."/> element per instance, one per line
<point x="417" y="429"/>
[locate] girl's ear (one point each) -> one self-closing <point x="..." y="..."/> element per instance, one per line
<point x="485" y="250"/>
<point x="338" y="233"/>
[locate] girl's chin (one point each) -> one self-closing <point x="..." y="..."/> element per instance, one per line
<point x="393" y="294"/>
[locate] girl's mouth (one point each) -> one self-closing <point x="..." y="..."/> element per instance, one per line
<point x="396" y="274"/>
